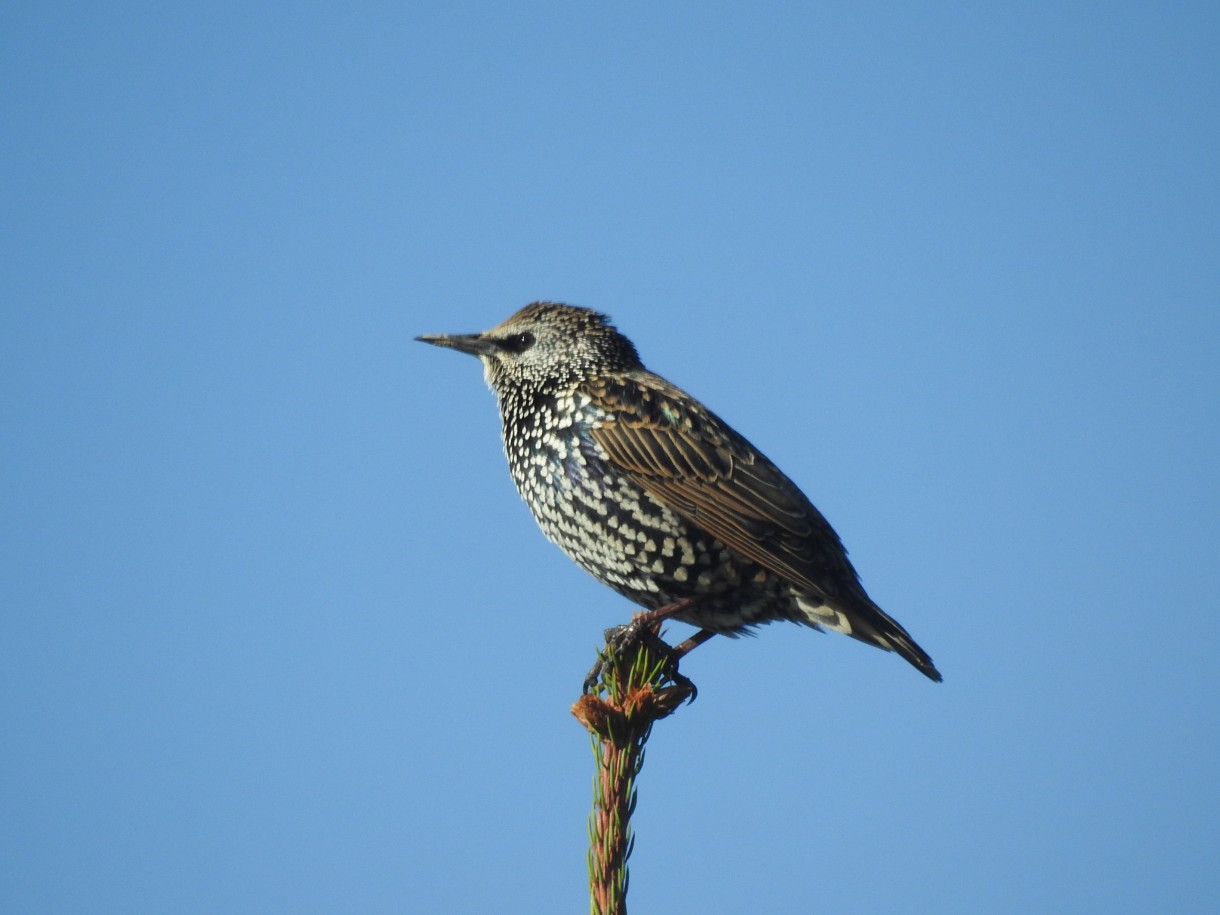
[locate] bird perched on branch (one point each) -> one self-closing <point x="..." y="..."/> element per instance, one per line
<point x="654" y="495"/>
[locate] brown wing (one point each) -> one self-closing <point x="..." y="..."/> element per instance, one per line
<point x="688" y="459"/>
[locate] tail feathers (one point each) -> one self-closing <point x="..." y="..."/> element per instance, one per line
<point x="869" y="623"/>
<point x="898" y="639"/>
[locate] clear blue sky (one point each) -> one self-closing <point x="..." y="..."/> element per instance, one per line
<point x="277" y="635"/>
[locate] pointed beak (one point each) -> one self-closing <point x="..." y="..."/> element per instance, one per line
<point x="474" y="344"/>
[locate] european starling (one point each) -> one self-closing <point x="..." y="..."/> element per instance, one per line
<point x="654" y="495"/>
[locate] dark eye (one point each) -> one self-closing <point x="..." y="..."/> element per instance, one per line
<point x="518" y="343"/>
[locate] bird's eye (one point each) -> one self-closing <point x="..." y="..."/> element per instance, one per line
<point x="518" y="343"/>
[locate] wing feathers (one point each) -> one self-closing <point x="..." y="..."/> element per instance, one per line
<point x="687" y="459"/>
<point x="710" y="475"/>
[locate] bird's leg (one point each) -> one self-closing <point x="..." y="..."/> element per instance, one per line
<point x="643" y="630"/>
<point x="685" y="648"/>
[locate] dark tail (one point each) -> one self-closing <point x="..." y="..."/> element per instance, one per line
<point x="868" y="623"/>
<point x="882" y="630"/>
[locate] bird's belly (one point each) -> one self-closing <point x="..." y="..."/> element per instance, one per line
<point x="626" y="539"/>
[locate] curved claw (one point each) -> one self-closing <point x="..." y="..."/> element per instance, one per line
<point x="640" y="632"/>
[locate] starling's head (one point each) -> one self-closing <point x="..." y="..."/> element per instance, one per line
<point x="545" y="346"/>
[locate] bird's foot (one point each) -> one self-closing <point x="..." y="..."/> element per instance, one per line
<point x="643" y="632"/>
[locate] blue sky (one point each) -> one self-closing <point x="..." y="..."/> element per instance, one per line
<point x="277" y="634"/>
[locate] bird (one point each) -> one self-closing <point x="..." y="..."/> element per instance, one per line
<point x="654" y="495"/>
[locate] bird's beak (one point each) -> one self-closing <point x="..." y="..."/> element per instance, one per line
<point x="474" y="344"/>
